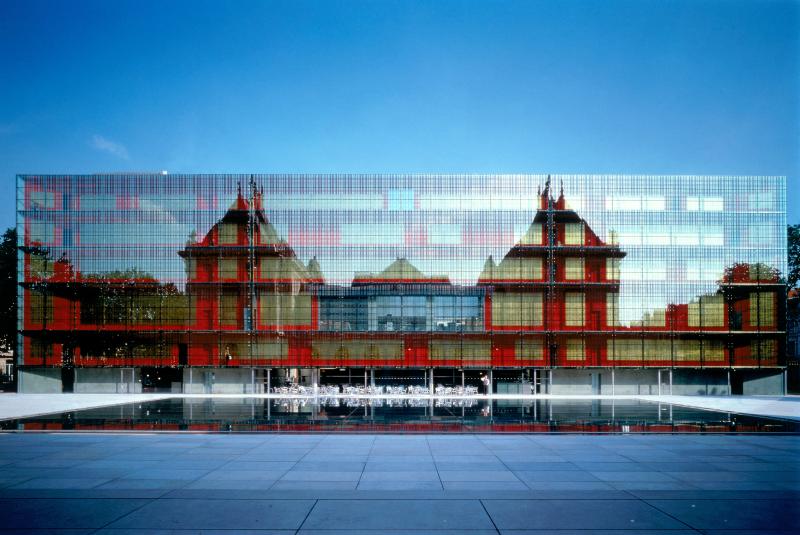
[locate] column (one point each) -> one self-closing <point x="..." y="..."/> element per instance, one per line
<point x="613" y="381"/>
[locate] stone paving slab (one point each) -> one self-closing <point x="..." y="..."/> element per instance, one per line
<point x="730" y="515"/>
<point x="56" y="483"/>
<point x="39" y="513"/>
<point x="392" y="514"/>
<point x="217" y="514"/>
<point x="578" y="514"/>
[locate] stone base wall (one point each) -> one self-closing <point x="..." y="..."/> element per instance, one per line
<point x="107" y="381"/>
<point x="39" y="380"/>
<point x="565" y="382"/>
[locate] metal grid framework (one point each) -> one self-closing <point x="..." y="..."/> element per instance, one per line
<point x="401" y="270"/>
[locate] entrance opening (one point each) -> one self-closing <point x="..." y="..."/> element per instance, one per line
<point x="162" y="379"/>
<point x="541" y="379"/>
<point x="68" y="379"/>
<point x="183" y="354"/>
<point x="401" y="377"/>
<point x="67" y="369"/>
<point x="343" y="376"/>
<point x="473" y="378"/>
<point x="447" y="376"/>
<point x="737" y="382"/>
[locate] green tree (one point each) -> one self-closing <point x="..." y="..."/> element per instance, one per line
<point x="8" y="289"/>
<point x="794" y="255"/>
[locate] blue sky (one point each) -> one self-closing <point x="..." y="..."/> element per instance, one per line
<point x="696" y="87"/>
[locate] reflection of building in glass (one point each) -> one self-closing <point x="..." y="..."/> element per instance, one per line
<point x="225" y="283"/>
<point x="793" y="340"/>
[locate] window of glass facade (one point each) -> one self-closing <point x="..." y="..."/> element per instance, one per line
<point x="228" y="268"/>
<point x="517" y="309"/>
<point x="625" y="349"/>
<point x="762" y="309"/>
<point x="229" y="308"/>
<point x="708" y="204"/>
<point x="612" y="309"/>
<point x="573" y="234"/>
<point x="576" y="349"/>
<point x="573" y="269"/>
<point x="284" y="309"/>
<point x="457" y="313"/>
<point x="518" y="269"/>
<point x="228" y="234"/>
<point x="612" y="269"/>
<point x="529" y="349"/>
<point x="574" y="309"/>
<point x="707" y="311"/>
<point x="762" y="348"/>
<point x="533" y="235"/>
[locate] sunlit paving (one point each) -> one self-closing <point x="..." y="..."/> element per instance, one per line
<point x="465" y="483"/>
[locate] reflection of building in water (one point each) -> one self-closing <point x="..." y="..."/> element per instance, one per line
<point x="611" y="284"/>
<point x="540" y="415"/>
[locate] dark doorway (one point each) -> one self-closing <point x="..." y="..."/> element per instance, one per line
<point x="183" y="354"/>
<point x="162" y="379"/>
<point x="447" y="376"/>
<point x="401" y="377"/>
<point x="68" y="379"/>
<point x="737" y="383"/>
<point x="67" y="369"/>
<point x="343" y="376"/>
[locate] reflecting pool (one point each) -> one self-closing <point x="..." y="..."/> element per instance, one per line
<point x="402" y="415"/>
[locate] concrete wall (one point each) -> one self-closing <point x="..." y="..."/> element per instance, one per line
<point x="565" y="381"/>
<point x="700" y="382"/>
<point x="107" y="381"/>
<point x="762" y="382"/>
<point x="690" y="382"/>
<point x="632" y="382"/>
<point x="573" y="382"/>
<point x="217" y="381"/>
<point x="40" y="381"/>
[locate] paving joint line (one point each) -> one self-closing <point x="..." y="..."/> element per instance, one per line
<point x="511" y="471"/>
<point x="148" y="502"/>
<point x="435" y="465"/>
<point x="669" y="515"/>
<point x="364" y="468"/>
<point x="483" y="505"/>
<point x="297" y="531"/>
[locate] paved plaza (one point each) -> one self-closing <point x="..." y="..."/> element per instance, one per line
<point x="420" y="484"/>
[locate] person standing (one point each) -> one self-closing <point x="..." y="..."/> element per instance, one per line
<point x="485" y="381"/>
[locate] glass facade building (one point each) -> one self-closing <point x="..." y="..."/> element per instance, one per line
<point x="564" y="284"/>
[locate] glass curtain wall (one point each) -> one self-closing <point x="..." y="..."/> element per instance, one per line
<point x="413" y="271"/>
